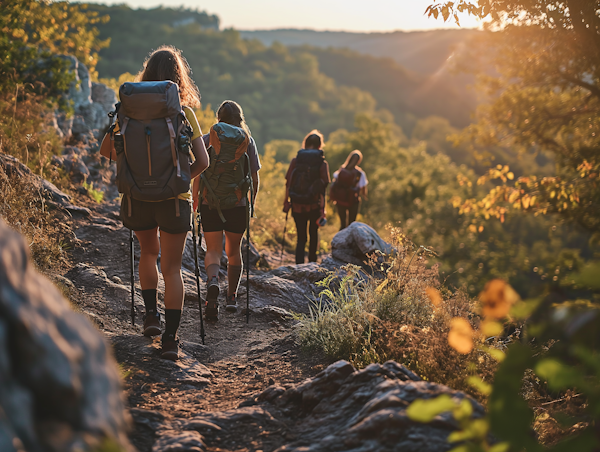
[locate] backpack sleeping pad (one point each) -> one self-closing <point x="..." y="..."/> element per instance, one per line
<point x="344" y="190"/>
<point x="154" y="142"/>
<point x="306" y="185"/>
<point x="227" y="179"/>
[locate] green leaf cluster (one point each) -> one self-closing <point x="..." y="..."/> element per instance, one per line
<point x="33" y="33"/>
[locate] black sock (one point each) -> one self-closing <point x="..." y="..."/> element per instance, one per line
<point x="149" y="296"/>
<point x="234" y="274"/>
<point x="172" y="318"/>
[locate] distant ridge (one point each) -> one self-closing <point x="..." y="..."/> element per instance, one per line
<point x="423" y="52"/>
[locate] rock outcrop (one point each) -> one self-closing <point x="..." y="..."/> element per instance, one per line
<point x="60" y="387"/>
<point x="354" y="243"/>
<point x="91" y="103"/>
<point x="83" y="129"/>
<point x="54" y="196"/>
<point x="340" y="409"/>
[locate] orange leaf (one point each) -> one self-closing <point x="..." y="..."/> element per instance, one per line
<point x="497" y="298"/>
<point x="460" y="337"/>
<point x="434" y="296"/>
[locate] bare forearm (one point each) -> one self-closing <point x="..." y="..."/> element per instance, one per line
<point x="198" y="168"/>
<point x="255" y="184"/>
<point x="200" y="156"/>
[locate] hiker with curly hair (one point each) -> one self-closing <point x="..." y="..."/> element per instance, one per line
<point x="306" y="181"/>
<point x="228" y="191"/>
<point x="155" y="134"/>
<point x="349" y="187"/>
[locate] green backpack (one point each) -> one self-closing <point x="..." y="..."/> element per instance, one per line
<point x="227" y="179"/>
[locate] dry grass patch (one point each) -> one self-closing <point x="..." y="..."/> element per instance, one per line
<point x="402" y="313"/>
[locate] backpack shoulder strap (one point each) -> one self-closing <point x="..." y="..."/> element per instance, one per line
<point x="214" y="140"/>
<point x="243" y="149"/>
<point x="173" y="148"/>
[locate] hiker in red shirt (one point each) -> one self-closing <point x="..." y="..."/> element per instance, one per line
<point x="306" y="181"/>
<point x="348" y="188"/>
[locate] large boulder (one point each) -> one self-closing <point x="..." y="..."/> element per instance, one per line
<point x="340" y="409"/>
<point x="91" y="103"/>
<point x="354" y="243"/>
<point x="60" y="387"/>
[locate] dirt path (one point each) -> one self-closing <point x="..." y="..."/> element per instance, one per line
<point x="238" y="360"/>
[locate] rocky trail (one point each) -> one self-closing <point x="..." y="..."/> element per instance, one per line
<point x="239" y="359"/>
<point x="249" y="388"/>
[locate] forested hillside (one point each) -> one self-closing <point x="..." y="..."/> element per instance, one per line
<point x="424" y="52"/>
<point x="401" y="119"/>
<point x="284" y="90"/>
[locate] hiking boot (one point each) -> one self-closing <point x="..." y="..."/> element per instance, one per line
<point x="151" y="324"/>
<point x="212" y="294"/>
<point x="231" y="305"/>
<point x="170" y="347"/>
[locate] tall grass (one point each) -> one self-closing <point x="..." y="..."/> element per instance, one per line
<point x="24" y="208"/>
<point x="27" y="134"/>
<point x="390" y="315"/>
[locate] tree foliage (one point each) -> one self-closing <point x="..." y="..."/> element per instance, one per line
<point x="34" y="32"/>
<point x="546" y="99"/>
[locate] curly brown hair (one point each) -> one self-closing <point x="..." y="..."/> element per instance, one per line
<point x="167" y="63"/>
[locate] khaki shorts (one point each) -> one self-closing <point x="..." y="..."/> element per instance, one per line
<point x="148" y="215"/>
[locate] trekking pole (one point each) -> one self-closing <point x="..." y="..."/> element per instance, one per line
<point x="132" y="261"/>
<point x="283" y="239"/>
<point x="250" y="213"/>
<point x="195" y="223"/>
<point x="248" y="269"/>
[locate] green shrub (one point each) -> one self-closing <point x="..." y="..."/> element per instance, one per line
<point x="390" y="315"/>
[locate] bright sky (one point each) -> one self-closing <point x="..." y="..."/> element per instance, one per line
<point x="347" y="15"/>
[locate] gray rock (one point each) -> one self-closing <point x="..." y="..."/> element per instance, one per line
<point x="187" y="369"/>
<point x="91" y="104"/>
<point x="79" y="171"/>
<point x="267" y="290"/>
<point x="51" y="193"/>
<point x="188" y="441"/>
<point x="105" y="99"/>
<point x="80" y="126"/>
<point x="65" y="124"/>
<point x="66" y="282"/>
<point x="54" y="123"/>
<point x="354" y="243"/>
<point x="84" y="275"/>
<point x="340" y="409"/>
<point x="63" y="391"/>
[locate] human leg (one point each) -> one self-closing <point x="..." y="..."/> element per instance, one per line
<point x="313" y="229"/>
<point x="342" y="213"/>
<point x="148" y="274"/>
<point x="214" y="251"/>
<point x="352" y="212"/>
<point x="170" y="264"/>
<point x="233" y="249"/>
<point x="301" y="220"/>
<point x="212" y="263"/>
<point x="235" y="267"/>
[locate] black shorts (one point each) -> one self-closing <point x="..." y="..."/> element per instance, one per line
<point x="148" y="215"/>
<point x="235" y="219"/>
